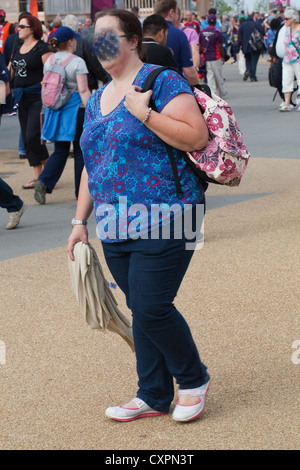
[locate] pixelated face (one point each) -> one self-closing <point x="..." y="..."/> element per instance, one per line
<point x="108" y="38"/>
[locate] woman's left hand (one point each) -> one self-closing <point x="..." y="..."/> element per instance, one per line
<point x="137" y="103"/>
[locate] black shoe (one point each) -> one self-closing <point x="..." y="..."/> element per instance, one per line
<point x="246" y="76"/>
<point x="22" y="156"/>
<point x="253" y="79"/>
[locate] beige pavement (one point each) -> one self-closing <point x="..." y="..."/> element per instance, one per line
<point x="240" y="297"/>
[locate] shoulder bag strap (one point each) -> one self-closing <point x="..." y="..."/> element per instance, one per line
<point x="148" y="86"/>
<point x="295" y="46"/>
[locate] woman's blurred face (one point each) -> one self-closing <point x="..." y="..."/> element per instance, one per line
<point x="110" y="43"/>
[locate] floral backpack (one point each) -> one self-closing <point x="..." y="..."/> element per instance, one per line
<point x="225" y="158"/>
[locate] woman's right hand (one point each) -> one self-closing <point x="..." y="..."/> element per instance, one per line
<point x="79" y="234"/>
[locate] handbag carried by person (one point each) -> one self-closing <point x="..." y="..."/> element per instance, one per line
<point x="225" y="158"/>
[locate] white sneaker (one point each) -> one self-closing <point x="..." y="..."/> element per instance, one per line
<point x="119" y="413"/>
<point x="286" y="108"/>
<point x="282" y="105"/>
<point x="14" y="218"/>
<point x="190" y="412"/>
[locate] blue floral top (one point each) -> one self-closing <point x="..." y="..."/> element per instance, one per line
<point x="128" y="168"/>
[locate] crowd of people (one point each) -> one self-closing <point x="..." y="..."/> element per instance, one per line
<point x="119" y="150"/>
<point x="196" y="47"/>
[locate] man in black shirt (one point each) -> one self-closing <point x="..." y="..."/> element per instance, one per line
<point x="155" y="29"/>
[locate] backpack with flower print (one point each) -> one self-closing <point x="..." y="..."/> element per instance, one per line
<point x="225" y="157"/>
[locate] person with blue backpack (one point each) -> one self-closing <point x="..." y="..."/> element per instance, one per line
<point x="64" y="115"/>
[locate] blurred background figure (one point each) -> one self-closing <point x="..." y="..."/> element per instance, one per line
<point x="65" y="124"/>
<point x="155" y="32"/>
<point x="136" y="12"/>
<point x="6" y="29"/>
<point x="88" y="30"/>
<point x="96" y="71"/>
<point x="56" y="23"/>
<point x="26" y="68"/>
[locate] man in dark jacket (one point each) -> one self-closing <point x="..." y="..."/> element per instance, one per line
<point x="251" y="57"/>
<point x="83" y="50"/>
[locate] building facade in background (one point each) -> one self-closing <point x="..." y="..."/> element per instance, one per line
<point x="49" y="9"/>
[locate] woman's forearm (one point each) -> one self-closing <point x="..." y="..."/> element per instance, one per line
<point x="178" y="134"/>
<point x="84" y="95"/>
<point x="85" y="201"/>
<point x="180" y="124"/>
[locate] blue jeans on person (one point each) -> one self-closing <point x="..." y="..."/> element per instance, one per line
<point x="56" y="163"/>
<point x="251" y="64"/>
<point x="22" y="150"/>
<point x="8" y="200"/>
<point x="149" y="272"/>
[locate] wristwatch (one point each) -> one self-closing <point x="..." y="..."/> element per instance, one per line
<point x="78" y="222"/>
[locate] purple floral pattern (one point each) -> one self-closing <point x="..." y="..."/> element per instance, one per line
<point x="124" y="158"/>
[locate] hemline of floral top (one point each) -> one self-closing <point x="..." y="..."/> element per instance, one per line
<point x="129" y="172"/>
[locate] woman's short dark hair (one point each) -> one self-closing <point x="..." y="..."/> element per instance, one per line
<point x="34" y="24"/>
<point x="129" y="24"/>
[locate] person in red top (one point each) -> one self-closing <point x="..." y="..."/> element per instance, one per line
<point x="190" y="23"/>
<point x="6" y="28"/>
<point x="57" y="22"/>
<point x="211" y="41"/>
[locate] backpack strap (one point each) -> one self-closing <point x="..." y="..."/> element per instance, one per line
<point x="152" y="77"/>
<point x="148" y="86"/>
<point x="67" y="60"/>
<point x="64" y="63"/>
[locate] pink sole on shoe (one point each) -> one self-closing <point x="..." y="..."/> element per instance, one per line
<point x="143" y="415"/>
<point x="200" y="413"/>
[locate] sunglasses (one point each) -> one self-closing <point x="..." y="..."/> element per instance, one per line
<point x="23" y="26"/>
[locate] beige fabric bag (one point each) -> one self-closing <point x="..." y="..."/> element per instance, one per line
<point x="95" y="299"/>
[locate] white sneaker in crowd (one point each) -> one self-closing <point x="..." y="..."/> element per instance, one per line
<point x="14" y="218"/>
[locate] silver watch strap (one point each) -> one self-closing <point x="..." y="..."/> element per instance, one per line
<point x="78" y="222"/>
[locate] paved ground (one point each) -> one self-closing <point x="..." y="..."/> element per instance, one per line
<point x="240" y="297"/>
